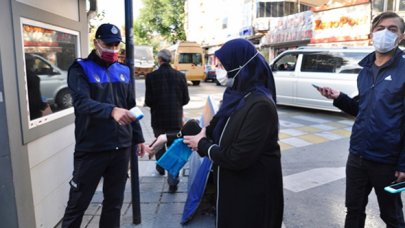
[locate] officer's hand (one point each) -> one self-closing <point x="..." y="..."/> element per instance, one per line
<point x="141" y="149"/>
<point x="122" y="116"/>
<point x="400" y="176"/>
<point x="329" y="92"/>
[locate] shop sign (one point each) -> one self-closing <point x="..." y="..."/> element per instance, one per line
<point x="295" y="27"/>
<point x="338" y="4"/>
<point x="343" y="24"/>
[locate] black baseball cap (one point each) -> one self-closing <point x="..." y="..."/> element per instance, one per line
<point x="108" y="33"/>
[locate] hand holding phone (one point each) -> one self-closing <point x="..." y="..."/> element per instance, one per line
<point x="395" y="188"/>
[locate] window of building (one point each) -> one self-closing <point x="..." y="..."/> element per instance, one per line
<point x="48" y="53"/>
<point x="378" y="5"/>
<point x="278" y="8"/>
<point x="225" y="23"/>
<point x="402" y="5"/>
<point x="388" y="5"/>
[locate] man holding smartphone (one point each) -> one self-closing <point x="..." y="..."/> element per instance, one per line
<point x="377" y="143"/>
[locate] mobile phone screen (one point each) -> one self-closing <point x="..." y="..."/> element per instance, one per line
<point x="398" y="185"/>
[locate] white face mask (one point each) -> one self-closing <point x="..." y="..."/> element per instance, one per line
<point x="222" y="74"/>
<point x="384" y="41"/>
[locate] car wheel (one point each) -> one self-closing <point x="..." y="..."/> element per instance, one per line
<point x="64" y="99"/>
<point x="195" y="83"/>
<point x="217" y="82"/>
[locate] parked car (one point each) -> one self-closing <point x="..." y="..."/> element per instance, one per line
<point x="53" y="84"/>
<point x="210" y="74"/>
<point x="296" y="70"/>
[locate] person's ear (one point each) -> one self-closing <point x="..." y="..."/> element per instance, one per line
<point x="401" y="37"/>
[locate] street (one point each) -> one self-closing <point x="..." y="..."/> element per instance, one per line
<point x="314" y="151"/>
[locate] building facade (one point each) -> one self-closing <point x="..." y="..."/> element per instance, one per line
<point x="275" y="26"/>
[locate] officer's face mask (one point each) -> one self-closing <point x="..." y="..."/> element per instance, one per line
<point x="107" y="54"/>
<point x="384" y="41"/>
<point x="222" y="74"/>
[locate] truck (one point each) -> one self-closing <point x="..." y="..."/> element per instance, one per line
<point x="144" y="62"/>
<point x="187" y="57"/>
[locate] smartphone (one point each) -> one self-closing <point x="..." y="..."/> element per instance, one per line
<point x="315" y="86"/>
<point x="395" y="188"/>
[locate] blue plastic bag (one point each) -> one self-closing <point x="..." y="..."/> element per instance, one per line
<point x="175" y="157"/>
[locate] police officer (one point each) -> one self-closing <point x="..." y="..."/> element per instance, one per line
<point x="106" y="133"/>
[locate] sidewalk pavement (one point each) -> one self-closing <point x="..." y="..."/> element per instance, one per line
<point x="159" y="208"/>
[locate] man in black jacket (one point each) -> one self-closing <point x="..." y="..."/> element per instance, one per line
<point x="166" y="93"/>
<point x="106" y="132"/>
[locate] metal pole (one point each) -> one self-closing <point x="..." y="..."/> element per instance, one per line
<point x="129" y="47"/>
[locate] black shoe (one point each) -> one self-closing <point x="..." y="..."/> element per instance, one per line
<point x="160" y="170"/>
<point x="172" y="188"/>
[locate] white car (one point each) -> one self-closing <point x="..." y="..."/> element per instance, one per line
<point x="53" y="85"/>
<point x="295" y="72"/>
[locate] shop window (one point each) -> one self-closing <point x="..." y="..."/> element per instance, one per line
<point x="48" y="53"/>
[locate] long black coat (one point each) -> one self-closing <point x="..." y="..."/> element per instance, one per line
<point x="249" y="177"/>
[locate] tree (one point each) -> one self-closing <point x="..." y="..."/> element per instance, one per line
<point x="163" y="18"/>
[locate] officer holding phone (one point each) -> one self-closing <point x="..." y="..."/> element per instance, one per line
<point x="377" y="149"/>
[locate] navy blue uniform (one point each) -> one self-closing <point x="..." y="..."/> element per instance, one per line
<point x="102" y="145"/>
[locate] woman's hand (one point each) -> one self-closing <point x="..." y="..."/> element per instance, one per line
<point x="192" y="140"/>
<point x="158" y="144"/>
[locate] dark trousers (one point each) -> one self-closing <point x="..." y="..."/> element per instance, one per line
<point x="89" y="167"/>
<point x="361" y="177"/>
<point x="171" y="180"/>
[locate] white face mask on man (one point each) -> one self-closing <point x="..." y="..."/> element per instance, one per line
<point x="222" y="74"/>
<point x="384" y="40"/>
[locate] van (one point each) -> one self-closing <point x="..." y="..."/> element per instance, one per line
<point x="53" y="84"/>
<point x="188" y="57"/>
<point x="144" y="62"/>
<point x="295" y="72"/>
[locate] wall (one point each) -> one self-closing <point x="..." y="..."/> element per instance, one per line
<point x="51" y="165"/>
<point x="35" y="163"/>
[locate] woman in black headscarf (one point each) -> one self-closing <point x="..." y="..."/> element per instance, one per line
<point x="242" y="141"/>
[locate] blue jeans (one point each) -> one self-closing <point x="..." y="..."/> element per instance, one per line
<point x="361" y="177"/>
